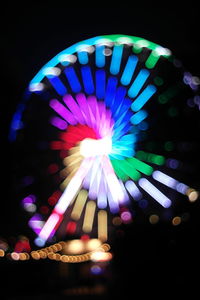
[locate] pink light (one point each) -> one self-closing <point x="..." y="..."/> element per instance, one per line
<point x="126" y="217"/>
<point x="49" y="226"/>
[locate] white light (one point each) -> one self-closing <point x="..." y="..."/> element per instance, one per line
<point x="125" y="40"/>
<point x="30" y="207"/>
<point x="36" y="87"/>
<point x="165" y="179"/>
<point x="142" y="43"/>
<point x="52" y="71"/>
<point x="67" y="58"/>
<point x="106" y="42"/>
<point x="39" y="242"/>
<point x="162" y="51"/>
<point x="133" y="190"/>
<point x="91" y="147"/>
<point x="85" y="48"/>
<point x="154" y="192"/>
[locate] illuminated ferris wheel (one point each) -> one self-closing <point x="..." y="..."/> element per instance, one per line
<point x="97" y="136"/>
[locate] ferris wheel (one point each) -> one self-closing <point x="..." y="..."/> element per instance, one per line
<point x="97" y="134"/>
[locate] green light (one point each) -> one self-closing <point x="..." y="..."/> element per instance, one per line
<point x="168" y="94"/>
<point x="138" y="44"/>
<point x="158" y="81"/>
<point x="163" y="99"/>
<point x="124" y="168"/>
<point x="152" y="60"/>
<point x="151" y="158"/>
<point x="137" y="49"/>
<point x="119" y="172"/>
<point x="169" y="146"/>
<point x="140" y="166"/>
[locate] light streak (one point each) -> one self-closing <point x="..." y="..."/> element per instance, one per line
<point x="73" y="79"/>
<point x="154" y="192"/>
<point x="129" y="70"/>
<point x="102" y="226"/>
<point x="116" y="59"/>
<point x="89" y="216"/>
<point x="79" y="205"/>
<point x="141" y="100"/>
<point x="138" y="83"/>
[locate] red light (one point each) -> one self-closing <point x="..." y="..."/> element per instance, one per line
<point x="53" y="168"/>
<point x="71" y="227"/>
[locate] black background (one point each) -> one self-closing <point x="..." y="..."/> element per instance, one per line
<point x="152" y="261"/>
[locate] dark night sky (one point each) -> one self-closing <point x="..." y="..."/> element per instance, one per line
<point x="33" y="33"/>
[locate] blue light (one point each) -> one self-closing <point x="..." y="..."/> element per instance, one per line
<point x="143" y="97"/>
<point x="138" y="117"/>
<point x="143" y="203"/>
<point x="124" y="107"/>
<point x="110" y="90"/>
<point x="73" y="79"/>
<point x="83" y="57"/>
<point x="121" y="127"/>
<point x="125" y="117"/>
<point x="138" y="83"/>
<point x="129" y="70"/>
<point x="57" y="59"/>
<point x="100" y="57"/>
<point x="123" y="147"/>
<point x="116" y="59"/>
<point x="100" y="83"/>
<point x="87" y="79"/>
<point x="58" y="85"/>
<point x="118" y="100"/>
<point x="143" y="126"/>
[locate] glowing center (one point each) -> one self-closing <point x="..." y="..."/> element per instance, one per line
<point x="91" y="147"/>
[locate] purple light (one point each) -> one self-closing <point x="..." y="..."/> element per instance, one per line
<point x="96" y="270"/>
<point x="63" y="111"/>
<point x="29" y="199"/>
<point x="75" y="109"/>
<point x="59" y="123"/>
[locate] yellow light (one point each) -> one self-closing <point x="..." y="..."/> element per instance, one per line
<point x="79" y="204"/>
<point x="35" y="255"/>
<point x="75" y="247"/>
<point x="153" y="219"/>
<point x="176" y="221"/>
<point x="42" y="254"/>
<point x="101" y="256"/>
<point x="2" y="253"/>
<point x="22" y="256"/>
<point x="102" y="226"/>
<point x="93" y="244"/>
<point x="117" y="221"/>
<point x="192" y="194"/>
<point x="64" y="258"/>
<point x="89" y="216"/>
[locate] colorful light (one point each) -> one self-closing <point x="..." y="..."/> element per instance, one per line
<point x="99" y="90"/>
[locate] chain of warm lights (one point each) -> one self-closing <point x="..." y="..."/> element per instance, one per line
<point x="101" y="253"/>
